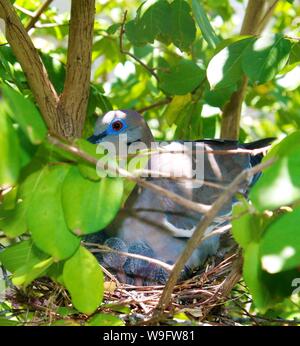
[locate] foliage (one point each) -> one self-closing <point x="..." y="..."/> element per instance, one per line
<point x="195" y="62"/>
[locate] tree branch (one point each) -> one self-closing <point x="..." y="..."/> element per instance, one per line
<point x="155" y="105"/>
<point x="74" y="99"/>
<point x="38" y="14"/>
<point x="28" y="57"/>
<point x="106" y="249"/>
<point x="197" y="207"/>
<point x="198" y="235"/>
<point x="256" y="17"/>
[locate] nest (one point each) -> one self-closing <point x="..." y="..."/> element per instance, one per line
<point x="196" y="296"/>
<point x="201" y="298"/>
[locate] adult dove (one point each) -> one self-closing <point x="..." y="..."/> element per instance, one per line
<point x="152" y="224"/>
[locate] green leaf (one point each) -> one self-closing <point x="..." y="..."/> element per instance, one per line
<point x="25" y="113"/>
<point x="204" y="24"/>
<point x="137" y="33"/>
<point x="252" y="274"/>
<point x="55" y="272"/>
<point x="189" y="122"/>
<point x="280" y="184"/>
<point x="106" y="320"/>
<point x="220" y="96"/>
<point x="246" y="227"/>
<point x="182" y="78"/>
<point x="157" y="21"/>
<point x="9" y="152"/>
<point x="88" y="170"/>
<point x="46" y="219"/>
<point x="224" y="69"/>
<point x="27" y="273"/>
<point x="280" y="245"/>
<point x="101" y="201"/>
<point x="176" y="106"/>
<point x="21" y="254"/>
<point x="265" y="57"/>
<point x="112" y="29"/>
<point x="295" y="54"/>
<point x="14" y="222"/>
<point x="165" y="22"/>
<point x="5" y="322"/>
<point x="285" y="146"/>
<point x="84" y="280"/>
<point x="118" y="308"/>
<point x="183" y="27"/>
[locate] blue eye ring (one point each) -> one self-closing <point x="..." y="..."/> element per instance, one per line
<point x="116" y="126"/>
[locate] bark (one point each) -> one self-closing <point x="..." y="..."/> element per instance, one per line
<point x="74" y="99"/>
<point x="64" y="114"/>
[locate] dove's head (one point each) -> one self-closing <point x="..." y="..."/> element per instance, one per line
<point x="127" y="125"/>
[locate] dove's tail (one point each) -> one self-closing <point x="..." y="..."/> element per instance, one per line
<point x="261" y="143"/>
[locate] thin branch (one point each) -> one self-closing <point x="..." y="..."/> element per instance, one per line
<point x="252" y="152"/>
<point x="268" y="14"/>
<point x="197" y="207"/>
<point x="231" y="280"/>
<point x="107" y="249"/>
<point x="155" y="105"/>
<point x="31" y="63"/>
<point x="123" y="51"/>
<point x="74" y="99"/>
<point x="198" y="235"/>
<point x="24" y="10"/>
<point x="38" y="14"/>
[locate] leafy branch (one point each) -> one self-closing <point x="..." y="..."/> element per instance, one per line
<point x="123" y="51"/>
<point x="257" y="14"/>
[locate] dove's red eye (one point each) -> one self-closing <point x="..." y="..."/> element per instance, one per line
<point x="117" y="125"/>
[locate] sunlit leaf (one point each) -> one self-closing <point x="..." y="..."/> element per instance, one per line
<point x="204" y="24"/>
<point x="280" y="184"/>
<point x="225" y="68"/>
<point x="265" y="57"/>
<point x="101" y="201"/>
<point x="24" y="253"/>
<point x="105" y="320"/>
<point x="27" y="273"/>
<point x="46" y="219"/>
<point x="252" y="273"/>
<point x="9" y="151"/>
<point x="14" y="222"/>
<point x="280" y="246"/>
<point x="177" y="104"/>
<point x="246" y="227"/>
<point x="84" y="280"/>
<point x="181" y="78"/>
<point x="25" y="113"/>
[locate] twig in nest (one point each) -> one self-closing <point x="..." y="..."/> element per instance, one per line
<point x="104" y="248"/>
<point x="198" y="235"/>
